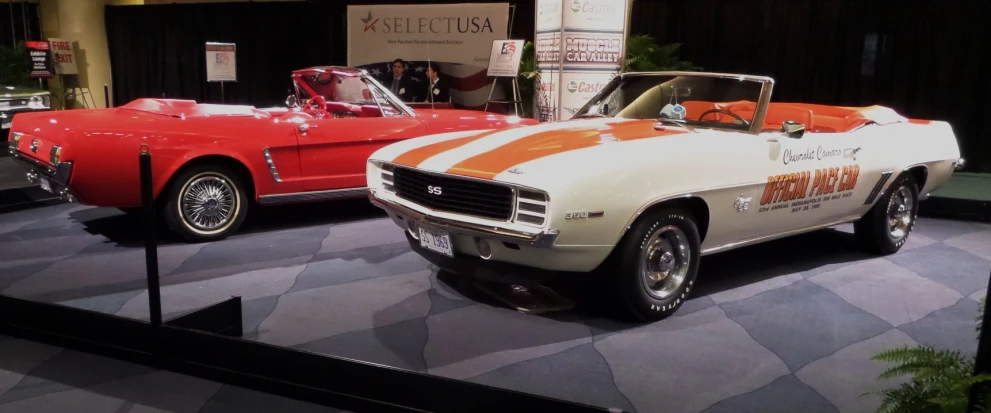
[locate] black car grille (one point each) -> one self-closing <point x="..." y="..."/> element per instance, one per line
<point x="457" y="195"/>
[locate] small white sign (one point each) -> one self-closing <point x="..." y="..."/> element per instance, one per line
<point x="221" y="65"/>
<point x="504" y="60"/>
<point x="64" y="57"/>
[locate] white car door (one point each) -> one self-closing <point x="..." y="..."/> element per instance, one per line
<point x="813" y="179"/>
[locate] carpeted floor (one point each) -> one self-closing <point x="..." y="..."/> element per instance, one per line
<point x="785" y="326"/>
<point x="966" y="185"/>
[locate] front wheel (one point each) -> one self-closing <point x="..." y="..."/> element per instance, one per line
<point x="886" y="227"/>
<point x="205" y="203"/>
<point x="656" y="264"/>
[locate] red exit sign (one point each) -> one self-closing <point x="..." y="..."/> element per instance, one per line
<point x="62" y="46"/>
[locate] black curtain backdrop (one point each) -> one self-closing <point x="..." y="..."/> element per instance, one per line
<point x="157" y="50"/>
<point x="931" y="61"/>
<point x="933" y="57"/>
<point x="30" y="16"/>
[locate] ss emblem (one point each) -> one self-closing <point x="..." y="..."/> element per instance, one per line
<point x="434" y="190"/>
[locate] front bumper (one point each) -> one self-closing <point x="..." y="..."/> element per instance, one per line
<point x="536" y="240"/>
<point x="52" y="179"/>
<point x="504" y="249"/>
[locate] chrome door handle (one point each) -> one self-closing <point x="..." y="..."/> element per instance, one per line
<point x="303" y="128"/>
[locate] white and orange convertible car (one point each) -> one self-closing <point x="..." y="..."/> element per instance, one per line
<point x="655" y="171"/>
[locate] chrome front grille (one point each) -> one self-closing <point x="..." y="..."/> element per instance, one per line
<point x="454" y="194"/>
<point x="531" y="207"/>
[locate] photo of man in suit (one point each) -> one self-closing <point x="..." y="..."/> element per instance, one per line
<point x="438" y="86"/>
<point x="400" y="82"/>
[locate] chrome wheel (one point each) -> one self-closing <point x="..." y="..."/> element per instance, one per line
<point x="900" y="209"/>
<point x="208" y="203"/>
<point x="664" y="261"/>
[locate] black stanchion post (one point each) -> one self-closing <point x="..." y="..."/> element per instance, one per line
<point x="151" y="238"/>
<point x="106" y="94"/>
<point x="982" y="362"/>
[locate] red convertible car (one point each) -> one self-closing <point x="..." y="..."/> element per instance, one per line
<point x="210" y="163"/>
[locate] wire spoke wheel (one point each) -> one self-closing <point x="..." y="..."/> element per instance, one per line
<point x="900" y="212"/>
<point x="208" y="203"/>
<point x="665" y="261"/>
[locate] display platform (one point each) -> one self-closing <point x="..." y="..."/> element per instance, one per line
<point x="42" y="378"/>
<point x="967" y="195"/>
<point x="780" y="323"/>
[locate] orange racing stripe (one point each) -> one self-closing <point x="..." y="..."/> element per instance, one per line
<point x="489" y="164"/>
<point x="415" y="156"/>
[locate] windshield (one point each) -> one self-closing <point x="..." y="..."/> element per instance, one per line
<point x="701" y="101"/>
<point x="361" y="91"/>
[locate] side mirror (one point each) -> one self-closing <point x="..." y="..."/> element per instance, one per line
<point x="292" y="102"/>
<point x="793" y="129"/>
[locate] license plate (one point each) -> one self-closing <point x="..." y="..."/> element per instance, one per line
<point x="436" y="240"/>
<point x="5" y="125"/>
<point x="45" y="184"/>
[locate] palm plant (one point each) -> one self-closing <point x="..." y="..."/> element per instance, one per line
<point x="14" y="66"/>
<point x="528" y="79"/>
<point x="644" y="54"/>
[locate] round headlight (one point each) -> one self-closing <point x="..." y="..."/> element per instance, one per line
<point x="36" y="101"/>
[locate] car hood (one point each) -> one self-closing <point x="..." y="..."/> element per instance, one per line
<point x="502" y="153"/>
<point x="15" y="92"/>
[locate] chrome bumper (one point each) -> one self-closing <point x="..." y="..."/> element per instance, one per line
<point x="959" y="164"/>
<point x="58" y="177"/>
<point x="536" y="240"/>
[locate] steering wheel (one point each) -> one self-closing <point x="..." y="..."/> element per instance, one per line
<point x="318" y="105"/>
<point x="726" y="112"/>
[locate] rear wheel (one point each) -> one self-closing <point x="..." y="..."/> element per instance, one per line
<point x="655" y="265"/>
<point x="205" y="203"/>
<point x="886" y="227"/>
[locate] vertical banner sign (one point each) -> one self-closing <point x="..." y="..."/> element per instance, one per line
<point x="547" y="48"/>
<point x="581" y="45"/>
<point x="457" y="38"/>
<point x="221" y="65"/>
<point x="504" y="60"/>
<point x="64" y="56"/>
<point x="39" y="59"/>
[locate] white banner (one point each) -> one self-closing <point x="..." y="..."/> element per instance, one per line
<point x="64" y="57"/>
<point x="579" y="87"/>
<point x="221" y="62"/>
<point x="580" y="46"/>
<point x="457" y="37"/>
<point x="604" y="16"/>
<point x="504" y="60"/>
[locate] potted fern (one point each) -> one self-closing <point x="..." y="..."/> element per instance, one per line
<point x="941" y="380"/>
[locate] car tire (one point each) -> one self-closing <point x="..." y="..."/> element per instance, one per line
<point x="649" y="278"/>
<point x="886" y="227"/>
<point x="205" y="203"/>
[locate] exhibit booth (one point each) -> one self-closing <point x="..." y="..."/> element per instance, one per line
<point x="327" y="302"/>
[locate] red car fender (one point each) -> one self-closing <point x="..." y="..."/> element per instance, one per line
<point x="197" y="154"/>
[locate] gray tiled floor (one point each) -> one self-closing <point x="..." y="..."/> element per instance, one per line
<point x="786" y="326"/>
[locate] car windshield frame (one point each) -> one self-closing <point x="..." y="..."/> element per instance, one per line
<point x="756" y="123"/>
<point x="369" y="81"/>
